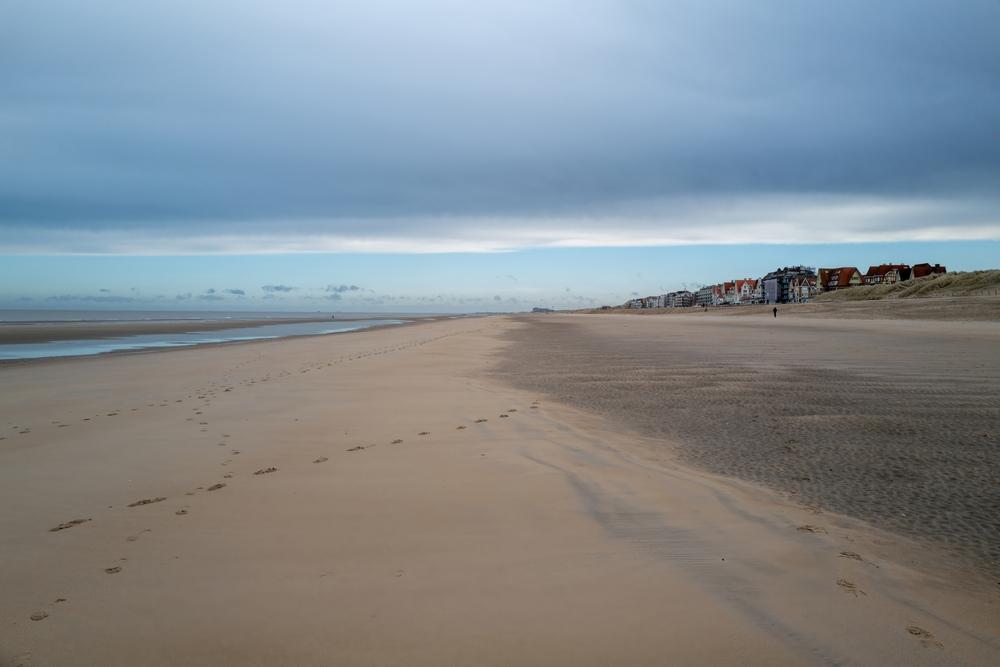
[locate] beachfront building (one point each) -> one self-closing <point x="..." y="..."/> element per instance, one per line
<point x="729" y="293"/>
<point x="739" y="291"/>
<point x="712" y="295"/>
<point x="842" y="277"/>
<point x="681" y="299"/>
<point x="886" y="274"/>
<point x="802" y="288"/>
<point x="778" y="283"/>
<point x="923" y="270"/>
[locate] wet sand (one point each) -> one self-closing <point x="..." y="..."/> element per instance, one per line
<point x="383" y="497"/>
<point x="895" y="422"/>
<point x="44" y="332"/>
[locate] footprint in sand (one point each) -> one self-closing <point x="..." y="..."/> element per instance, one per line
<point x="228" y="475"/>
<point x="321" y="459"/>
<point x="808" y="528"/>
<point x="68" y="524"/>
<point x="926" y="638"/>
<point x="512" y="410"/>
<point x="113" y="570"/>
<point x="424" y="433"/>
<point x="852" y="556"/>
<point x="397" y="441"/>
<point x="133" y="538"/>
<point x="147" y="501"/>
<point x="216" y="487"/>
<point x="481" y="420"/>
<point x="850" y="587"/>
<point x="356" y="449"/>
<point x="181" y="512"/>
<point x="459" y="428"/>
<point x="264" y="471"/>
<point x="39" y="616"/>
<point x="504" y="415"/>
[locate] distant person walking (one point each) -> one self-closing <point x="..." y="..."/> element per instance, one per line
<point x="775" y="309"/>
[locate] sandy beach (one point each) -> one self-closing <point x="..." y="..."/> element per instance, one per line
<point x="494" y="491"/>
<point x="893" y="421"/>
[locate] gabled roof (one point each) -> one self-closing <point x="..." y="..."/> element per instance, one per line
<point x="925" y="269"/>
<point x="838" y="277"/>
<point x="883" y="269"/>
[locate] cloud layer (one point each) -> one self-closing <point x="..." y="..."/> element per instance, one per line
<point x="314" y="126"/>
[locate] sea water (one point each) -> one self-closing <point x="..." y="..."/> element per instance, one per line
<point x="74" y="348"/>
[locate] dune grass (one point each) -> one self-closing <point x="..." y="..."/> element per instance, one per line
<point x="967" y="283"/>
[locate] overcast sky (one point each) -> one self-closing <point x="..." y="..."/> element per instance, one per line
<point x="242" y="127"/>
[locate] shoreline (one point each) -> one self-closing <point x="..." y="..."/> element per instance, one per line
<point x="14" y="333"/>
<point x="216" y="344"/>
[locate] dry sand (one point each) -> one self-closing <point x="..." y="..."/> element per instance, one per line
<point x="896" y="422"/>
<point x="318" y="501"/>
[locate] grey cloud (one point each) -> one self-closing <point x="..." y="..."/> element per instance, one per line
<point x="277" y="288"/>
<point x="641" y="111"/>
<point x="339" y="289"/>
<point x="336" y="296"/>
<point x="104" y="290"/>
<point x="210" y="290"/>
<point x="90" y="298"/>
<point x="237" y="292"/>
<point x="211" y="297"/>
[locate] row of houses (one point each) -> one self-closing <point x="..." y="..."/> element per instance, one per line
<point x="680" y="299"/>
<point x="883" y="274"/>
<point x="790" y="284"/>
